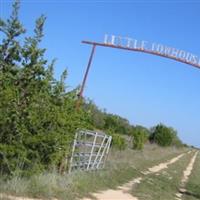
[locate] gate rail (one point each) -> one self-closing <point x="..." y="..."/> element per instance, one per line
<point x="90" y="150"/>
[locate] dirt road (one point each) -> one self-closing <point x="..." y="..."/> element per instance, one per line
<point x="122" y="192"/>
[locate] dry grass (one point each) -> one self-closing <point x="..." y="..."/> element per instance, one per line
<point x="121" y="167"/>
<point x="150" y="155"/>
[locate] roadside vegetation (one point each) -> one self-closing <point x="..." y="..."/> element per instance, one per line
<point x="38" y="121"/>
<point x="121" y="167"/>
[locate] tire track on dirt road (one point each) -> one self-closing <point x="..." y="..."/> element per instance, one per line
<point x="185" y="178"/>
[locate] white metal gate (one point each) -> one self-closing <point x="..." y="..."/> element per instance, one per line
<point x="90" y="150"/>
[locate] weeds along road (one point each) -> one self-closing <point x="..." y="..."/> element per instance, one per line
<point x="156" y="173"/>
<point x="161" y="182"/>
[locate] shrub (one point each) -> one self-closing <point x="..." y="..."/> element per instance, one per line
<point x="139" y="138"/>
<point x="163" y="135"/>
<point x="118" y="141"/>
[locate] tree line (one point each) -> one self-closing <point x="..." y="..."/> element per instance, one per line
<point x="38" y="116"/>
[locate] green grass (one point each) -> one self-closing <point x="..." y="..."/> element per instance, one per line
<point x="121" y="167"/>
<point x="164" y="184"/>
<point x="193" y="185"/>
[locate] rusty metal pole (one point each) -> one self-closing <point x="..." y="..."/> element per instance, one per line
<point x="80" y="94"/>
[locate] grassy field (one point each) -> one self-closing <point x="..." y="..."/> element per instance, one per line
<point x="193" y="185"/>
<point x="163" y="185"/>
<point x="121" y="167"/>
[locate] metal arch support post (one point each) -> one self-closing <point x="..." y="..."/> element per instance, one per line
<point x="80" y="95"/>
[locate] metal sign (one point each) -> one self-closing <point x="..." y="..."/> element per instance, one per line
<point x="131" y="44"/>
<point x="154" y="48"/>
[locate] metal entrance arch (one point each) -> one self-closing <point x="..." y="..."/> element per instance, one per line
<point x="131" y="44"/>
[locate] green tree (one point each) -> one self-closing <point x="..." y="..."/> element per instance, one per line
<point x="140" y="137"/>
<point x="37" y="116"/>
<point x="97" y="115"/>
<point x="118" y="141"/>
<point x="163" y="135"/>
<point x="117" y="124"/>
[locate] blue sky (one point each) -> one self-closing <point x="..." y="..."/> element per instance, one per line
<point x="144" y="88"/>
